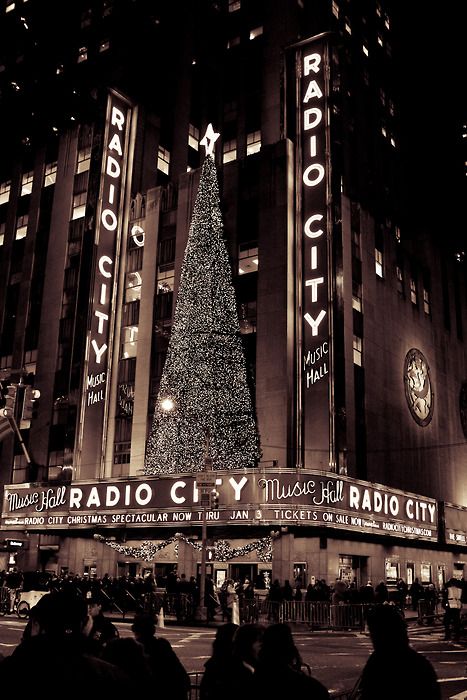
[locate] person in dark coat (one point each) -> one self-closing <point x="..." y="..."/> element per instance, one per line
<point x="217" y="667"/>
<point x="279" y="671"/>
<point x="99" y="629"/>
<point x="394" y="669"/>
<point x="54" y="650"/>
<point x="170" y="676"/>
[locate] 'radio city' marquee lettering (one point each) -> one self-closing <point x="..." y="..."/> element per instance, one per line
<point x="313" y="150"/>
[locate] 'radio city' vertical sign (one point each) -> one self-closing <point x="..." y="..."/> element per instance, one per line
<point x="312" y="70"/>
<point x="106" y="249"/>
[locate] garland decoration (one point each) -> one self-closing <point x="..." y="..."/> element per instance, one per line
<point x="222" y="551"/>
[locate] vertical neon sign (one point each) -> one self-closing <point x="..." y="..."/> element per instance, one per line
<point x="106" y="247"/>
<point x="313" y="169"/>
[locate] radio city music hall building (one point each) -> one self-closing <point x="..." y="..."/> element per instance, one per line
<point x="352" y="320"/>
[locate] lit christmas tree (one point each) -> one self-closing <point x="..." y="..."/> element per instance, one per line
<point x="204" y="390"/>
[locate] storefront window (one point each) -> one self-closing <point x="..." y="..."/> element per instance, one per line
<point x="299" y="574"/>
<point x="392" y="571"/>
<point x="425" y="573"/>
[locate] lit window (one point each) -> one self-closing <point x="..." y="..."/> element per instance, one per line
<point x="400" y="279"/>
<point x="5" y="188"/>
<point x="2" y="233"/>
<point x="256" y="32"/>
<point x="79" y="206"/>
<point x="356" y="295"/>
<point x="379" y="262"/>
<point x="234" y="41"/>
<point x="9" y="7"/>
<point x="247" y="258"/>
<point x="163" y="160"/>
<point x="104" y="46"/>
<point x="426" y="302"/>
<point x="357" y="350"/>
<point x="229" y="151"/>
<point x="397" y="233"/>
<point x="356" y="245"/>
<point x="133" y="286"/>
<point x="21" y="227"/>
<point x="393" y="142"/>
<point x="380" y="40"/>
<point x="129" y="341"/>
<point x="382" y="96"/>
<point x="365" y="49"/>
<point x="347" y="27"/>
<point x="82" y="54"/>
<point x="387" y="22"/>
<point x="335" y="9"/>
<point x="253" y="143"/>
<point x="193" y="137"/>
<point x="60" y="69"/>
<point x="413" y="291"/>
<point x="165" y="281"/>
<point x="50" y="174"/>
<point x="234" y="5"/>
<point x="83" y="160"/>
<point x="26" y="183"/>
<point x="378" y="9"/>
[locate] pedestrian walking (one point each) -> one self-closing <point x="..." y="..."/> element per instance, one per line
<point x="452" y="601"/>
<point x="218" y="667"/>
<point x="168" y="672"/>
<point x="394" y="669"/>
<point x="279" y="667"/>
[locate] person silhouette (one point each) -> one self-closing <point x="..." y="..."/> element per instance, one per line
<point x="217" y="667"/>
<point x="394" y="669"/>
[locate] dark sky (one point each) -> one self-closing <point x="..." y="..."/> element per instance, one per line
<point x="434" y="105"/>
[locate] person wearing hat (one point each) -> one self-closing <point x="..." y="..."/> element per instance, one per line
<point x="99" y="630"/>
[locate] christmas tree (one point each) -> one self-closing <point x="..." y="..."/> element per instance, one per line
<point x="204" y="390"/>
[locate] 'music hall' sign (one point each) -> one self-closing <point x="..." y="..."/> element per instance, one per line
<point x="276" y="497"/>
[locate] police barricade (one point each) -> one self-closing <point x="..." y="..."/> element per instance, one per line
<point x="323" y="615"/>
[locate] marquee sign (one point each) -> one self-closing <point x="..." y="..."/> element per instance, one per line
<point x="278" y="497"/>
<point x="455" y="523"/>
<point x="107" y="246"/>
<point x="313" y="166"/>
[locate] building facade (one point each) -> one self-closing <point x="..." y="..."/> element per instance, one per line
<point x="352" y="319"/>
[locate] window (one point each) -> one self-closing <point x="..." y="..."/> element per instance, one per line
<point x="26" y="183"/>
<point x="247" y="258"/>
<point x="379" y="262"/>
<point x="82" y="54"/>
<point x="253" y="143"/>
<point x="234" y="5"/>
<point x="133" y="287"/>
<point x="356" y="244"/>
<point x="165" y="281"/>
<point x="163" y="160"/>
<point x="255" y="33"/>
<point x="357" y="350"/>
<point x="129" y="340"/>
<point x="50" y="174"/>
<point x="356" y="295"/>
<point x="229" y="151"/>
<point x="5" y="188"/>
<point x="335" y="9"/>
<point x="400" y="279"/>
<point x="20" y="469"/>
<point x="413" y="291"/>
<point x="104" y="46"/>
<point x="79" y="206"/>
<point x="21" y="227"/>
<point x="83" y="160"/>
<point x="365" y="49"/>
<point x="193" y="137"/>
<point x="2" y="233"/>
<point x="234" y="41"/>
<point x="426" y="302"/>
<point x="10" y="6"/>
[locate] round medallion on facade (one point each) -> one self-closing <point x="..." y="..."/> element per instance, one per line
<point x="463" y="407"/>
<point x="418" y="389"/>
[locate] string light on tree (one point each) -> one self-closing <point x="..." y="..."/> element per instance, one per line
<point x="205" y="371"/>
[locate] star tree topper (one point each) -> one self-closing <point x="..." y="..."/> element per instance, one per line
<point x="209" y="139"/>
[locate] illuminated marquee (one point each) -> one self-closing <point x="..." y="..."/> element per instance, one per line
<point x="107" y="246"/>
<point x="276" y="498"/>
<point x="312" y="178"/>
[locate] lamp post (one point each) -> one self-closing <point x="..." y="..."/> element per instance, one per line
<point x="206" y="483"/>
